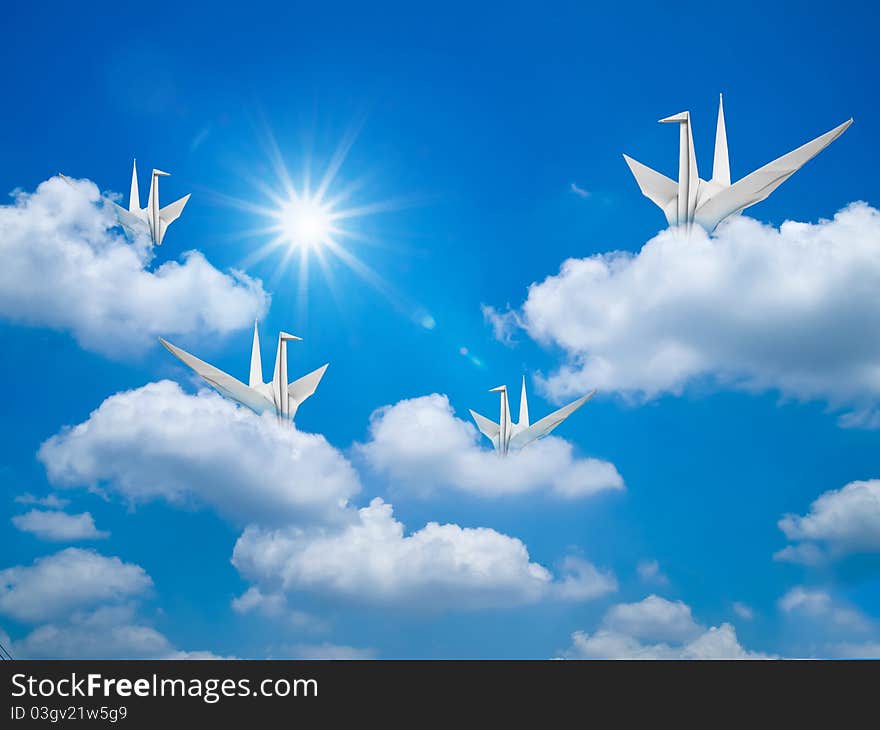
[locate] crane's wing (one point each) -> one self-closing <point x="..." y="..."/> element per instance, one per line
<point x="542" y="428"/>
<point x="131" y="223"/>
<point x="656" y="187"/>
<point x="487" y="427"/>
<point x="223" y="382"/>
<point x="169" y="214"/>
<point x="305" y="386"/>
<point x="756" y="186"/>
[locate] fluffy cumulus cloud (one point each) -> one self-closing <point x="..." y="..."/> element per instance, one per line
<point x="656" y="628"/>
<point x="67" y="267"/>
<point x="439" y="567"/>
<point x="653" y="618"/>
<point x="157" y="442"/>
<point x="67" y="581"/>
<point x="751" y="306"/>
<point x="420" y="445"/>
<point x="839" y="522"/>
<point x="58" y="526"/>
<point x="292" y="490"/>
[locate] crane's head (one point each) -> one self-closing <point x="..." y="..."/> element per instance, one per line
<point x="681" y="118"/>
<point x="499" y="389"/>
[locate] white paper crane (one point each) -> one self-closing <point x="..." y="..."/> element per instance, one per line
<point x="708" y="202"/>
<point x="157" y="219"/>
<point x="277" y="396"/>
<point x="506" y="435"/>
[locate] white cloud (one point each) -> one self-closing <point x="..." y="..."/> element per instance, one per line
<point x="743" y="610"/>
<point x="85" y="605"/>
<point x="69" y="580"/>
<point x="716" y="642"/>
<point x="253" y="599"/>
<point x="818" y="605"/>
<point x="811" y="602"/>
<point x="59" y="526"/>
<point x="157" y="442"/>
<point x="649" y="572"/>
<point x="655" y="628"/>
<point x="52" y="501"/>
<point x="66" y="267"/>
<point x="580" y="580"/>
<point x="653" y="618"/>
<point x="752" y="307"/>
<point x="420" y="445"/>
<point x="275" y="606"/>
<point x="505" y="325"/>
<point x="806" y="554"/>
<point x="820" y="624"/>
<point x="439" y="567"/>
<point x="839" y="522"/>
<point x="109" y="632"/>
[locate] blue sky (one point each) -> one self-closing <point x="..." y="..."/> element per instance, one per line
<point x="474" y="124"/>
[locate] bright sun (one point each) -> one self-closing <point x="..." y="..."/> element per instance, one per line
<point x="305" y="222"/>
<point x="315" y="219"/>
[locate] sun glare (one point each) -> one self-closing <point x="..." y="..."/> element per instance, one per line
<point x="305" y="223"/>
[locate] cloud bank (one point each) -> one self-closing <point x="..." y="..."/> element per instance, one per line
<point x="419" y="445"/>
<point x="157" y="442"/>
<point x="437" y="568"/>
<point x="66" y="267"/>
<point x="291" y="490"/>
<point x="752" y="307"/>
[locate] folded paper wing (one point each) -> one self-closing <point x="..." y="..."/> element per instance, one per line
<point x="223" y="382"/>
<point x="543" y="427"/>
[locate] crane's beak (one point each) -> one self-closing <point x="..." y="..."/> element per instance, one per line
<point x="681" y="117"/>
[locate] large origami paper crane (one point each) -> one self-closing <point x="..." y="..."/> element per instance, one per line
<point x="277" y="396"/>
<point x="157" y="219"/>
<point x="708" y="202"/>
<point x="506" y="435"/>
